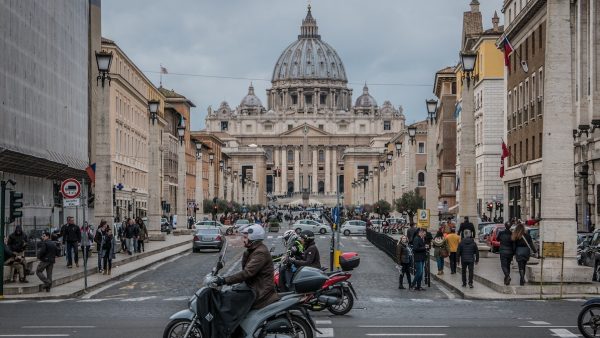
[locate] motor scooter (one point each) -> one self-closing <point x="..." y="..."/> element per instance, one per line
<point x="285" y="318"/>
<point x="588" y="320"/>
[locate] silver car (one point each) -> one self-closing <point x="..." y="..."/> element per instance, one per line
<point x="225" y="229"/>
<point x="207" y="238"/>
<point x="312" y="225"/>
<point x="354" y="227"/>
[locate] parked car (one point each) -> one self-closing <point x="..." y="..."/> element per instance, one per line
<point x="485" y="232"/>
<point x="241" y="223"/>
<point x="492" y="240"/>
<point x="482" y="225"/>
<point x="165" y="226"/>
<point x="309" y="224"/>
<point x="225" y="229"/>
<point x="354" y="227"/>
<point x="590" y="256"/>
<point x="207" y="238"/>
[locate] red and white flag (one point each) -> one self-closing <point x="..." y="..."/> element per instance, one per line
<point x="508" y="50"/>
<point x="505" y="154"/>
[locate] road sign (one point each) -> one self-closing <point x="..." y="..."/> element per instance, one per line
<point x="71" y="202"/>
<point x="552" y="249"/>
<point x="423" y="218"/>
<point x="70" y="188"/>
<point x="336" y="215"/>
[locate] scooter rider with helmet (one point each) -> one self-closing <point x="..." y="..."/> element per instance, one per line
<point x="257" y="268"/>
<point x="294" y="249"/>
<point x="311" y="256"/>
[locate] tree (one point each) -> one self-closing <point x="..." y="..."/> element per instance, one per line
<point x="409" y="203"/>
<point x="382" y="207"/>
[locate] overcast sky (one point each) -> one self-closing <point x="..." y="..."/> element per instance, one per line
<point x="379" y="42"/>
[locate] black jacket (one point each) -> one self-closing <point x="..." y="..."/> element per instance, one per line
<point x="310" y="257"/>
<point x="129" y="231"/>
<point x="506" y="242"/>
<point x="7" y="253"/>
<point x="17" y="240"/>
<point x="411" y="233"/>
<point x="466" y="226"/>
<point x="403" y="254"/>
<point x="72" y="234"/>
<point x="48" y="251"/>
<point x="522" y="249"/>
<point x="419" y="249"/>
<point x="467" y="251"/>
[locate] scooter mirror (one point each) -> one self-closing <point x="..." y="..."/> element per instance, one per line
<point x="272" y="249"/>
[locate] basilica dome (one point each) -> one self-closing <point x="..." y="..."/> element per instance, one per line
<point x="250" y="100"/>
<point x="309" y="57"/>
<point x="365" y="100"/>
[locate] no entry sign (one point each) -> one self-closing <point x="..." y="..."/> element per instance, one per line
<point x="70" y="188"/>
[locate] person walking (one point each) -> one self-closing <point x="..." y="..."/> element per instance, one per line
<point x="466" y="225"/>
<point x="506" y="251"/>
<point x="46" y="255"/>
<point x="86" y="241"/>
<point x="440" y="250"/>
<point x="420" y="255"/>
<point x="108" y="248"/>
<point x="468" y="255"/>
<point x="404" y="257"/>
<point x="129" y="236"/>
<point x="98" y="240"/>
<point x="412" y="232"/>
<point x="142" y="235"/>
<point x="136" y="234"/>
<point x="72" y="237"/>
<point x="453" y="240"/>
<point x="523" y="249"/>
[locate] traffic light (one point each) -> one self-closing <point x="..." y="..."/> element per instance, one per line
<point x="15" y="205"/>
<point x="490" y="206"/>
<point x="114" y="196"/>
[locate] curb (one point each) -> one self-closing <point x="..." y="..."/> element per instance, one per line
<point x="183" y="246"/>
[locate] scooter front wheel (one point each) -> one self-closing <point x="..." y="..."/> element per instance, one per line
<point x="588" y="321"/>
<point x="178" y="327"/>
<point x="345" y="304"/>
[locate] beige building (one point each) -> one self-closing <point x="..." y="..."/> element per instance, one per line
<point x="306" y="137"/>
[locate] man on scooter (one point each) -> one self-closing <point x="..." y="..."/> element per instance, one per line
<point x="257" y="268"/>
<point x="311" y="256"/>
<point x="294" y="249"/>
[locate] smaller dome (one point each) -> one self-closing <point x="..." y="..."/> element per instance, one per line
<point x="224" y="108"/>
<point x="365" y="100"/>
<point x="251" y="100"/>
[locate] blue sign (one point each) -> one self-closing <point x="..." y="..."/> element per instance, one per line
<point x="336" y="215"/>
<point x="120" y="186"/>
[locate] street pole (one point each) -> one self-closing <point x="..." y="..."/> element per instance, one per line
<point x="2" y="193"/>
<point x="85" y="236"/>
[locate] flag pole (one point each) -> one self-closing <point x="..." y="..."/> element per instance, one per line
<point x="160" y="71"/>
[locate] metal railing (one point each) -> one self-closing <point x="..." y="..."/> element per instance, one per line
<point x="383" y="242"/>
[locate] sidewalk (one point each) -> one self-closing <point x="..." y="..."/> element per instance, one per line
<point x="70" y="282"/>
<point x="488" y="282"/>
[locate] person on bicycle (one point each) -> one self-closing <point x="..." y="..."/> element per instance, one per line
<point x="311" y="256"/>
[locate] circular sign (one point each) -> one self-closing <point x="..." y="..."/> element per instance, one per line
<point x="70" y="188"/>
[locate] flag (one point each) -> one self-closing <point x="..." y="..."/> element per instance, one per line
<point x="163" y="70"/>
<point x="508" y="50"/>
<point x="505" y="154"/>
<point x="91" y="171"/>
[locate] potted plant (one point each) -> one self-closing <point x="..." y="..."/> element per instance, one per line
<point x="273" y="226"/>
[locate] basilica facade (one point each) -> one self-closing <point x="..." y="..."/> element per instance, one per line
<point x="309" y="136"/>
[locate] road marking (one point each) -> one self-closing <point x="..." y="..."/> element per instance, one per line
<point x="97" y="291"/>
<point x="563" y="333"/>
<point x="52" y="301"/>
<point x="325" y="333"/>
<point x="323" y="322"/>
<point x="578" y="300"/>
<point x="95" y="300"/>
<point x="381" y="300"/>
<point x="12" y="301"/>
<point x="269" y="237"/>
<point x="422" y="300"/>
<point x="405" y="326"/>
<point x="539" y="322"/>
<point x="58" y="327"/>
<point x="545" y="326"/>
<point x="138" y="299"/>
<point x="178" y="298"/>
<point x="444" y="290"/>
<point x="406" y="334"/>
<point x="36" y="335"/>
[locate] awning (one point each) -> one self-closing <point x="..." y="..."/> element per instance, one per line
<point x="57" y="167"/>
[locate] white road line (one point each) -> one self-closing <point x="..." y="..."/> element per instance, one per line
<point x="36" y="335"/>
<point x="406" y="326"/>
<point x="323" y="322"/>
<point x="577" y="300"/>
<point x="325" y="333"/>
<point x="52" y="301"/>
<point x="406" y="334"/>
<point x="95" y="300"/>
<point x="539" y="322"/>
<point x="12" y="301"/>
<point x="444" y="290"/>
<point x="178" y="298"/>
<point x="58" y="327"/>
<point x="563" y="333"/>
<point x="269" y="237"/>
<point x="545" y="326"/>
<point x="421" y="300"/>
<point x="381" y="300"/>
<point x="97" y="291"/>
<point x="138" y="299"/>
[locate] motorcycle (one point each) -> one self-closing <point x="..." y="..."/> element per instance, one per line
<point x="337" y="286"/>
<point x="588" y="320"/>
<point x="285" y="318"/>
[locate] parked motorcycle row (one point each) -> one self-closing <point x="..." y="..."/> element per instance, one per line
<point x="218" y="312"/>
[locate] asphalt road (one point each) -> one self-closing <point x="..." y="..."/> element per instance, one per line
<point x="140" y="305"/>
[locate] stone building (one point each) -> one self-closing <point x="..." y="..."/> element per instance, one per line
<point x="44" y="129"/>
<point x="303" y="140"/>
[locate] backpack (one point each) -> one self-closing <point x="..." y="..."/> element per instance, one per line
<point x="98" y="237"/>
<point x="59" y="250"/>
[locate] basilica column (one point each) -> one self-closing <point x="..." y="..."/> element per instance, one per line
<point x="277" y="165"/>
<point x="284" y="166"/>
<point x="297" y="187"/>
<point x="236" y="195"/>
<point x="327" y="171"/>
<point x="315" y="167"/>
<point x="334" y="177"/>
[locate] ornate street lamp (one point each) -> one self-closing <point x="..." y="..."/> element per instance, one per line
<point x="198" y="150"/>
<point x="468" y="59"/>
<point x="153" y="108"/>
<point x="412" y="132"/>
<point x="103" y="61"/>
<point x="431" y="109"/>
<point x="382" y="165"/>
<point x="181" y="130"/>
<point x="389" y="158"/>
<point x="211" y="158"/>
<point x="398" y="148"/>
<point x="221" y="165"/>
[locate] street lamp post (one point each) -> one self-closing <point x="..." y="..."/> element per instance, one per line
<point x="154" y="165"/>
<point x="412" y="133"/>
<point x="431" y="109"/>
<point x="181" y="176"/>
<point x="199" y="191"/>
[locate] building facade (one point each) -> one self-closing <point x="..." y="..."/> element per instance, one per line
<point x="308" y="128"/>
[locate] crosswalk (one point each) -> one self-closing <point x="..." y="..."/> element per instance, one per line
<point x="561" y="331"/>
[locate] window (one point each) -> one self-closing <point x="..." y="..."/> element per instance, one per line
<point x="249" y="127"/>
<point x="323" y="99"/>
<point x="321" y="127"/>
<point x="343" y="127"/>
<point x="290" y="156"/>
<point x="533" y="148"/>
<point x="294" y="99"/>
<point x="526" y="149"/>
<point x="387" y="125"/>
<point x="541" y="140"/>
<point x="520" y="151"/>
<point x="421" y="179"/>
<point x="540" y="39"/>
<point x="453" y="87"/>
<point x="421" y="149"/>
<point x="321" y="155"/>
<point x="268" y="127"/>
<point x="308" y="99"/>
<point x="362" y="128"/>
<point x="533" y="44"/>
<point x="290" y="126"/>
<point x="224" y="125"/>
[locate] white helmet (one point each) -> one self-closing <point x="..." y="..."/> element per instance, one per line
<point x="255" y="232"/>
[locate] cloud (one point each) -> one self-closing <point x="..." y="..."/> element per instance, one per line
<point x="380" y="41"/>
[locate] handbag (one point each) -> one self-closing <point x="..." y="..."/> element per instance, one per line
<point x="522" y="251"/>
<point x="444" y="253"/>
